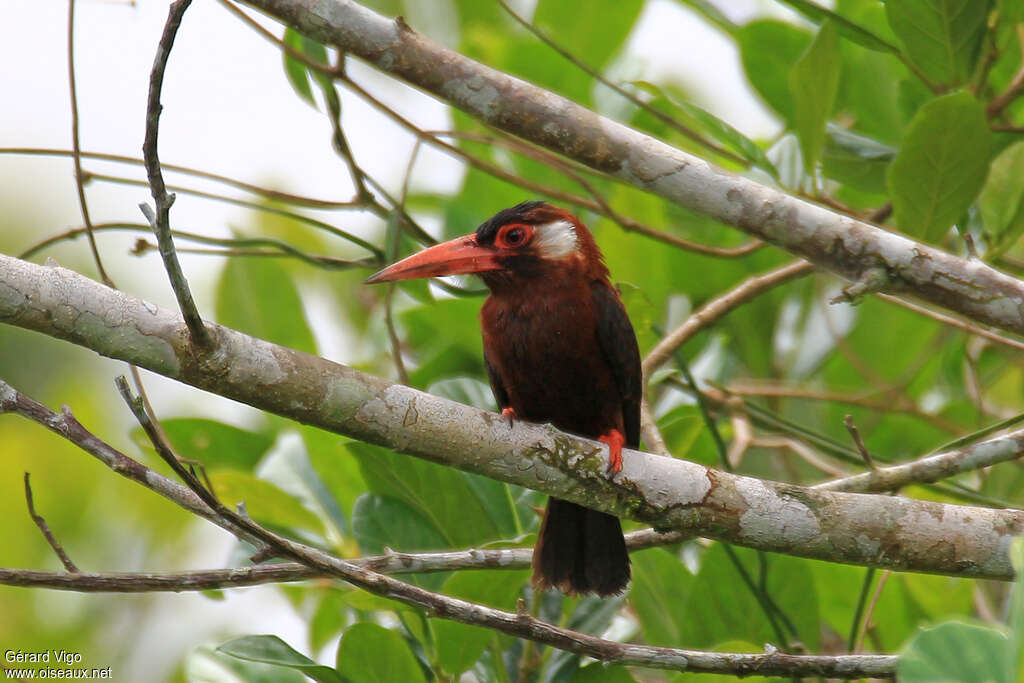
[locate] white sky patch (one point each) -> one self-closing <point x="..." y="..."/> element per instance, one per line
<point x="555" y="240"/>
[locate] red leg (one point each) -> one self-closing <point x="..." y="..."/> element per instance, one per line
<point x="615" y="441"/>
<point x="509" y="413"/>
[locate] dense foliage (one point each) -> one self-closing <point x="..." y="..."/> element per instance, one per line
<point x="905" y="113"/>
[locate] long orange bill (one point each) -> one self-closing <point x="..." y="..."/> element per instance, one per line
<point x="456" y="257"/>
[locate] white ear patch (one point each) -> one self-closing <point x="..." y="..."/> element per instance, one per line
<point x="555" y="240"/>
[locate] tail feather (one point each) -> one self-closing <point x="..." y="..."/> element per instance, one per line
<point x="580" y="551"/>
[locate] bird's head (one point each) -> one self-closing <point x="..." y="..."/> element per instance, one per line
<point x="532" y="241"/>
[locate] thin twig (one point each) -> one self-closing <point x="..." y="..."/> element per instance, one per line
<point x="274" y="195"/>
<point x="871" y="610"/>
<point x="389" y="294"/>
<point x="76" y="153"/>
<point x="160" y="218"/>
<point x="390" y="563"/>
<point x="858" y="613"/>
<point x="256" y="206"/>
<point x="933" y="468"/>
<point x="719" y="306"/>
<point x="900" y="404"/>
<point x="1014" y="89"/>
<point x="232" y="246"/>
<point x="596" y="75"/>
<point x="855" y="435"/>
<point x="45" y="528"/>
<point x="968" y="327"/>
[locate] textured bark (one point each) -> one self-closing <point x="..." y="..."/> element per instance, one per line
<point x="670" y="494"/>
<point x="853" y="249"/>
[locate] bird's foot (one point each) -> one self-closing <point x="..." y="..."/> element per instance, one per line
<point x="509" y="414"/>
<point x="615" y="441"/>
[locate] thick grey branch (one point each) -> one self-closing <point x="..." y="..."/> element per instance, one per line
<point x="829" y="240"/>
<point x="670" y="494"/>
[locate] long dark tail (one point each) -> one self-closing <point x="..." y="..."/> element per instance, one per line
<point x="580" y="551"/>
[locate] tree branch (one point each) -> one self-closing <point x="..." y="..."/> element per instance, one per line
<point x="160" y="219"/>
<point x="45" y="529"/>
<point x="521" y="625"/>
<point x="214" y="579"/>
<point x="670" y="494"/>
<point x="714" y="309"/>
<point x="933" y="468"/>
<point x="829" y="240"/>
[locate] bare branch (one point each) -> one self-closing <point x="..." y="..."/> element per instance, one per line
<point x="829" y="240"/>
<point x="865" y="454"/>
<point x="933" y="468"/>
<point x="160" y="219"/>
<point x="955" y="322"/>
<point x="282" y="572"/>
<point x="596" y="75"/>
<point x="719" y="306"/>
<point x="45" y="528"/>
<point x="275" y="195"/>
<point x="76" y="153"/>
<point x="896" y="403"/>
<point x="668" y="493"/>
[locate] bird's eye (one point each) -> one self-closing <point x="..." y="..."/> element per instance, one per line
<point x="514" y="236"/>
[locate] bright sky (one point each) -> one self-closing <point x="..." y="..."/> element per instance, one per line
<point x="228" y="109"/>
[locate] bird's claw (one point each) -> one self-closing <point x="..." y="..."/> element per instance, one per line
<point x="615" y="441"/>
<point x="509" y="414"/>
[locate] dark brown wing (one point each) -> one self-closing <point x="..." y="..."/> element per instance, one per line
<point x="497" y="388"/>
<point x="618" y="342"/>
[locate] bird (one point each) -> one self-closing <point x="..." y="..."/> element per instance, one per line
<point x="558" y="347"/>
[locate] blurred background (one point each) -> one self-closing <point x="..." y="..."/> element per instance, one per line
<point x="230" y="109"/>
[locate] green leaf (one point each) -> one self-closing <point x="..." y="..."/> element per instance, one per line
<point x="258" y="297"/>
<point x="856" y="160"/>
<point x="328" y="619"/>
<point x="722" y="607"/>
<point x="337" y="469"/>
<point x="273" y="650"/>
<point x="466" y="390"/>
<point x="380" y="522"/>
<point x="215" y="444"/>
<point x="1002" y="198"/>
<point x="942" y="165"/>
<point x="661" y="590"/>
<point x="592" y="37"/>
<point x="460" y="645"/>
<point x="296" y="71"/>
<point x="208" y="665"/>
<point x="942" y="37"/>
<point x="814" y="82"/>
<point x="712" y="15"/>
<point x="956" y="652"/>
<point x="603" y="673"/>
<point x="847" y="29"/>
<point x="709" y="124"/>
<point x="264" y="502"/>
<point x="769" y="49"/>
<point x="369" y="653"/>
<point x="466" y="515"/>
